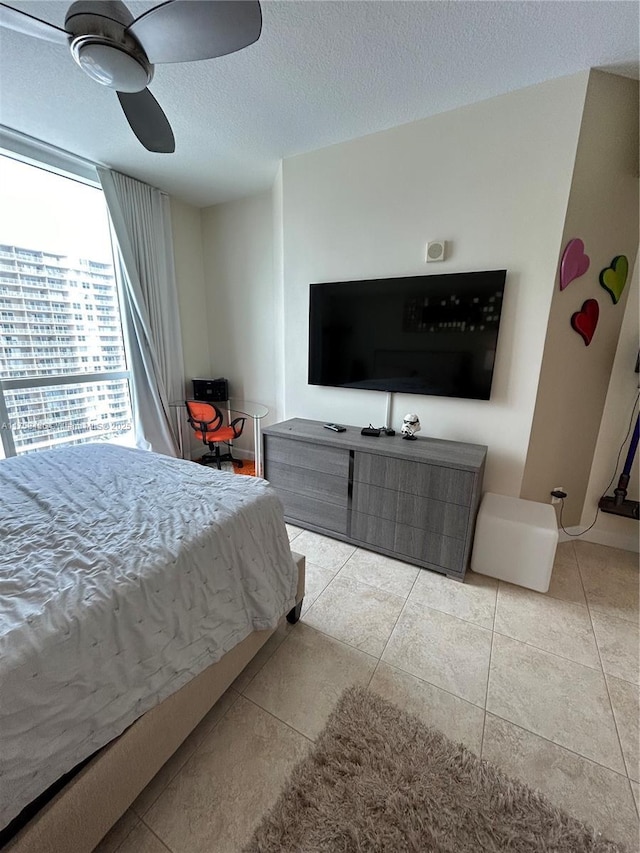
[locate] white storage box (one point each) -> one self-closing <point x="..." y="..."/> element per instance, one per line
<point x="515" y="541"/>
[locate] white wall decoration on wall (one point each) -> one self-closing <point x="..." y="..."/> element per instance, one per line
<point x="436" y="250"/>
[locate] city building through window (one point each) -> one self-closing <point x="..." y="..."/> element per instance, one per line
<point x="64" y="377"/>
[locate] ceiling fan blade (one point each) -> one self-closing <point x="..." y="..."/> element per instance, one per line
<point x="187" y="30"/>
<point x="148" y="121"/>
<point x="12" y="19"/>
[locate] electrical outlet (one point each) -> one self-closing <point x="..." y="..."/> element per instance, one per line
<point x="555" y="500"/>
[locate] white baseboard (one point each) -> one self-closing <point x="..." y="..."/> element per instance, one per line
<point x="601" y="537"/>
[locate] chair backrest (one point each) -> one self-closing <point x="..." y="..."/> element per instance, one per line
<point x="204" y="417"/>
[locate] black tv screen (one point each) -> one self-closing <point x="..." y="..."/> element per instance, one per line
<point x="425" y="334"/>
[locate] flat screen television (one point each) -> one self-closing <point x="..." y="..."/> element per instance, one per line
<point x="424" y="334"/>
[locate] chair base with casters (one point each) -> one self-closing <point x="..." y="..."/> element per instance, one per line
<point x="216" y="458"/>
<point x="206" y="420"/>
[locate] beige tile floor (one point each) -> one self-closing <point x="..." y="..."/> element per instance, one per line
<point x="546" y="686"/>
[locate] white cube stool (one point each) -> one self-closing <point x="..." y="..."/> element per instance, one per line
<point x="515" y="541"/>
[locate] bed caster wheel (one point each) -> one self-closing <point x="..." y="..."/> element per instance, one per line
<point x="294" y="614"/>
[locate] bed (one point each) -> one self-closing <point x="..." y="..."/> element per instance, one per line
<point x="133" y="589"/>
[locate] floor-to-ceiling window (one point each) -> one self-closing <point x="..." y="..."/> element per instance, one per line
<point x="63" y="363"/>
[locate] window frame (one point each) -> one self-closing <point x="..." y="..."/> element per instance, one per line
<point x="39" y="155"/>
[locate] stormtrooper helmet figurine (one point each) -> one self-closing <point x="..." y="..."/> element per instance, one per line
<point x="410" y="426"/>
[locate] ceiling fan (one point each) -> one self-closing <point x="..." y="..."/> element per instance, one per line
<point x="120" y="51"/>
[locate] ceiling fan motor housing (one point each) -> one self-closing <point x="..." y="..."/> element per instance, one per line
<point x="103" y="49"/>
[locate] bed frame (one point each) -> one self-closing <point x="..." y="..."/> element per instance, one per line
<point x="81" y="814"/>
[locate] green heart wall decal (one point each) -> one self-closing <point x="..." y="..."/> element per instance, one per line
<point x="614" y="277"/>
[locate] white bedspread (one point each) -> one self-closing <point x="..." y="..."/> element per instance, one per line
<point x="123" y="574"/>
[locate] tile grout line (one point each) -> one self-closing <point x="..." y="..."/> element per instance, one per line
<point x="155" y="835"/>
<point x="431" y="684"/>
<point x="338" y="640"/>
<point x="357" y="581"/>
<point x="486" y="692"/>
<point x="493" y="631"/>
<point x="553" y="654"/>
<point x="142" y="815"/>
<point x="330" y="637"/>
<point x="452" y="615"/>
<point x="187" y="759"/>
<point x="328" y="584"/>
<point x="561" y="657"/>
<point x="456" y="696"/>
<point x="370" y="585"/>
<point x="606" y="686"/>
<point x="561" y="746"/>
<point x="310" y="605"/>
<point x="603" y="611"/>
<point x="402" y="609"/>
<point x="380" y="589"/>
<point x="257" y="672"/>
<point x="280" y="720"/>
<point x="338" y="541"/>
<point x="375" y="669"/>
<point x="395" y="666"/>
<point x="137" y="821"/>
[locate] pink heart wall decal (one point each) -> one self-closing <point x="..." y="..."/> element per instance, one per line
<point x="585" y="320"/>
<point x="574" y="262"/>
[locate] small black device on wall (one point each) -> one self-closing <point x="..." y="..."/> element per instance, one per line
<point x="211" y="390"/>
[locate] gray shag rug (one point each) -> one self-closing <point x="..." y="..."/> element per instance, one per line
<point x="378" y="779"/>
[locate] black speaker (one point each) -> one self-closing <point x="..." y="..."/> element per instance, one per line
<point x="211" y="390"/>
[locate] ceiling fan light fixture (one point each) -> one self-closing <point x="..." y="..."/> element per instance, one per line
<point x="119" y="51"/>
<point x="110" y="65"/>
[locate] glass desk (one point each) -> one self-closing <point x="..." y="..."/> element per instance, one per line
<point x="233" y="407"/>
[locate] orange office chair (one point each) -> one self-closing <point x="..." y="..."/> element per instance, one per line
<point x="207" y="421"/>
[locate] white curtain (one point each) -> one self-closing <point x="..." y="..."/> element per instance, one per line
<point x="142" y="222"/>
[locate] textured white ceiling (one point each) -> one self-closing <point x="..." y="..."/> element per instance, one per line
<point x="321" y="73"/>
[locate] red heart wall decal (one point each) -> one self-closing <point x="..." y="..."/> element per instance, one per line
<point x="574" y="263"/>
<point x="585" y="320"/>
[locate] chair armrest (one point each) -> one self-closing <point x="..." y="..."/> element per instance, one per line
<point x="237" y="431"/>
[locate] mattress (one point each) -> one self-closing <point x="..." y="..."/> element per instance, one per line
<point x="123" y="574"/>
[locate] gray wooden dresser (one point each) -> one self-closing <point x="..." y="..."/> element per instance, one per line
<point x="413" y="500"/>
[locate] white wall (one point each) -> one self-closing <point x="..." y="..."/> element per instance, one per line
<point x="192" y="297"/>
<point x="603" y="212"/>
<point x="278" y="281"/>
<point x="493" y="179"/>
<point x="243" y="313"/>
<point x="623" y="391"/>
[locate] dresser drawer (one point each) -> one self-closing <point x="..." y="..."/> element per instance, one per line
<point x="430" y="547"/>
<point x="370" y="530"/>
<point x="415" y="478"/>
<point x="450" y="519"/>
<point x="303" y="454"/>
<point x="313" y="484"/>
<point x="307" y="510"/>
<point x="423" y="513"/>
<point x="409" y="542"/>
